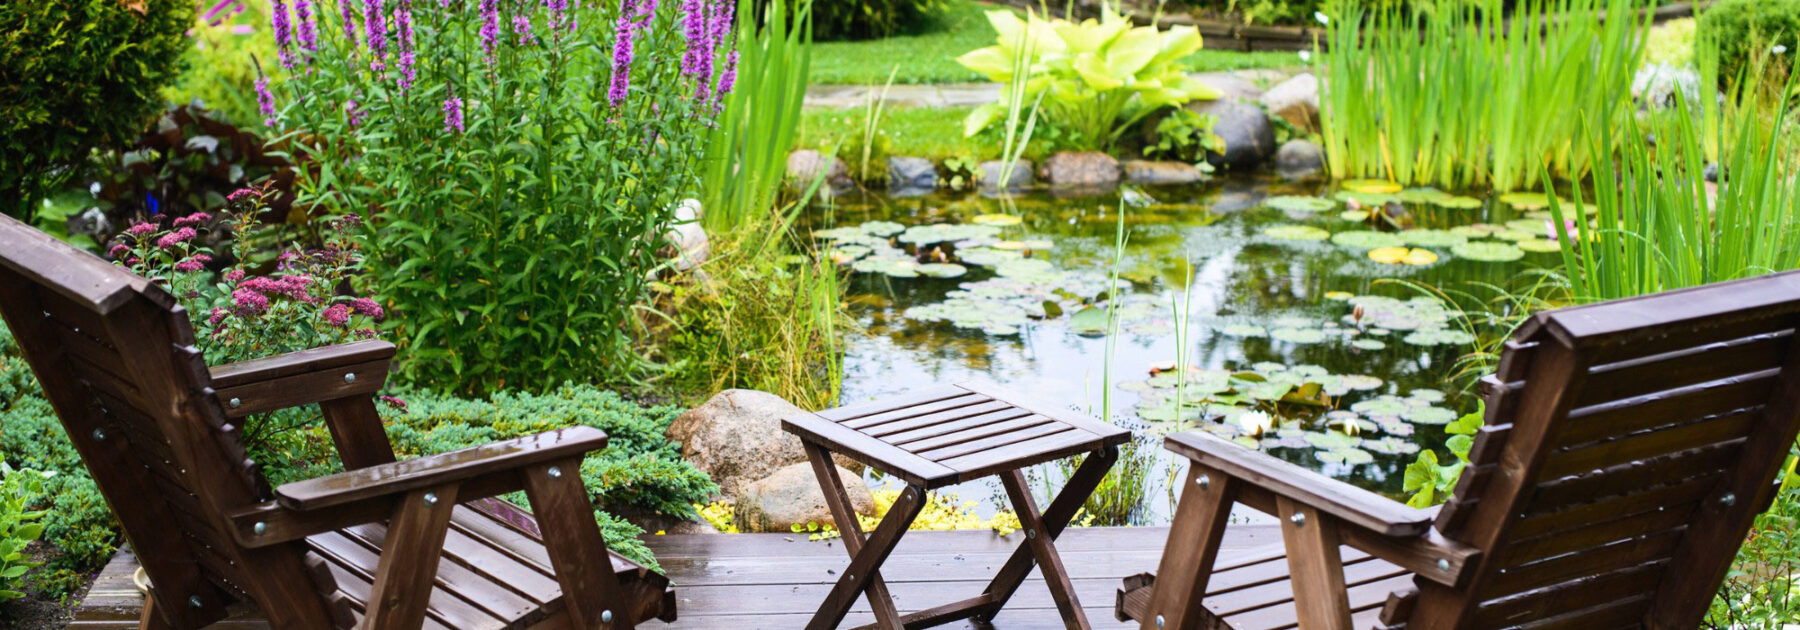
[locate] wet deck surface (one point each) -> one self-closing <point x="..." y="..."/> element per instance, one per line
<point x="776" y="581"/>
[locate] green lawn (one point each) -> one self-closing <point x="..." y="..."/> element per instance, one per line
<point x="929" y="132"/>
<point x="930" y="57"/>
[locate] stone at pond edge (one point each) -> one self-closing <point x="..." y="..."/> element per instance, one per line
<point x="804" y="166"/>
<point x="736" y="438"/>
<point x="1298" y="159"/>
<point x="1021" y="175"/>
<point x="791" y="496"/>
<point x="911" y="172"/>
<point x="1249" y="137"/>
<point x="1161" y="173"/>
<point x="687" y="239"/>
<point x="1089" y="168"/>
<point x="1296" y="100"/>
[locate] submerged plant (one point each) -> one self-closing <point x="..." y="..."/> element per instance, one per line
<point x="1097" y="78"/>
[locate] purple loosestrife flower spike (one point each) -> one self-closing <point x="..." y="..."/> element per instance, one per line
<point x="693" y="28"/>
<point x="522" y="26"/>
<point x="307" y="30"/>
<point x="490" y="28"/>
<point x="622" y="54"/>
<point x="453" y="114"/>
<point x="212" y="15"/>
<point x="403" y="23"/>
<point x="349" y="16"/>
<point x="729" y="78"/>
<point x="284" y="32"/>
<point x="375" y="23"/>
<point x="265" y="101"/>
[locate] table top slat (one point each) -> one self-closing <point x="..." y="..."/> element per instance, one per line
<point x="1113" y="435"/>
<point x="1024" y="420"/>
<point x="861" y="447"/>
<point x="991" y="418"/>
<point x="903" y="401"/>
<point x="1045" y="448"/>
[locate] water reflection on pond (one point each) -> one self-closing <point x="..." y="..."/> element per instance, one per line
<point x="1271" y="308"/>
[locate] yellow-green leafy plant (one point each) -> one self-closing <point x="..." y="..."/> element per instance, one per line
<point x="1097" y="77"/>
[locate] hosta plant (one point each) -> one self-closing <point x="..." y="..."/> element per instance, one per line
<point x="1097" y="77"/>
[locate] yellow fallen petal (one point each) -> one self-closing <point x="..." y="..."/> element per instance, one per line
<point x="1420" y="257"/>
<point x="1372" y="186"/>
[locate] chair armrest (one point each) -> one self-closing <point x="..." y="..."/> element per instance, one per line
<point x="302" y="378"/>
<point x="468" y="464"/>
<point x="1348" y="503"/>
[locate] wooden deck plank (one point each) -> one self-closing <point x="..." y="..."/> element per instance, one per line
<point x="776" y="581"/>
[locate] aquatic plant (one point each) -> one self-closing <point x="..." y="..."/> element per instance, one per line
<point x="747" y="149"/>
<point x="1456" y="98"/>
<point x="1096" y="78"/>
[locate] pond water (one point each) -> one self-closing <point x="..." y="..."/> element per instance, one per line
<point x="1273" y="274"/>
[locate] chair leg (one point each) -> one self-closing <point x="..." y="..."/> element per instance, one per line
<point x="1056" y="517"/>
<point x="415" y="539"/>
<point x="151" y="619"/>
<point x="1187" y="561"/>
<point x="1315" y="565"/>
<point x="1038" y="540"/>
<point x="591" y="591"/>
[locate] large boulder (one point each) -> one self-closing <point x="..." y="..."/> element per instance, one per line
<point x="805" y="165"/>
<point x="1296" y="100"/>
<point x="1299" y="158"/>
<point x="736" y="438"/>
<point x="1020" y="178"/>
<point x="1088" y="168"/>
<point x="791" y="496"/>
<point x="1150" y="173"/>
<point x="911" y="172"/>
<point x="1249" y="137"/>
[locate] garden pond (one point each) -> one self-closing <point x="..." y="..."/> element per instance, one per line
<point x="1310" y="330"/>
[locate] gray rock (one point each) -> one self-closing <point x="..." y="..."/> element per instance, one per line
<point x="911" y="172"/>
<point x="1299" y="158"/>
<point x="1296" y="100"/>
<point x="92" y="222"/>
<point x="1021" y="175"/>
<point x="1090" y="168"/>
<point x="791" y="496"/>
<point x="805" y="165"/>
<point x="1659" y="86"/>
<point x="1161" y="173"/>
<point x="1712" y="172"/>
<point x="1233" y="85"/>
<point x="736" y="438"/>
<point x="687" y="239"/>
<point x="1249" y="137"/>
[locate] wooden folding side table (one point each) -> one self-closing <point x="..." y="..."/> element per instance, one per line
<point x="942" y="436"/>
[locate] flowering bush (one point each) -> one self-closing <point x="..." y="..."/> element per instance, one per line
<point x="519" y="161"/>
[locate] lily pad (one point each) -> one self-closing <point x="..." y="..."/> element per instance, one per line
<point x="1428" y="395"/>
<point x="1402" y="256"/>
<point x="1366" y="239"/>
<point x="1540" y="245"/>
<point x="1298" y="335"/>
<point x="1331" y="440"/>
<point x="1365" y="199"/>
<point x="1354" y="215"/>
<point x="1292" y="203"/>
<point x="1244" y="330"/>
<point x="1089" y="321"/>
<point x="1459" y="203"/>
<point x="892" y="267"/>
<point x="1530" y="200"/>
<point x="1423" y="195"/>
<point x="1429" y="415"/>
<point x="1381" y="406"/>
<point x="1369" y="344"/>
<point x="1296" y="233"/>
<point x="942" y="270"/>
<point x="1488" y="251"/>
<point x="1439" y="337"/>
<point x="1433" y="238"/>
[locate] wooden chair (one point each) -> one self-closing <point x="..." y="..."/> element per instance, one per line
<point x="1628" y="446"/>
<point x="387" y="545"/>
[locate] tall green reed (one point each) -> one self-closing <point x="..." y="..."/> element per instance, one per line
<point x="1457" y="95"/>
<point x="746" y="152"/>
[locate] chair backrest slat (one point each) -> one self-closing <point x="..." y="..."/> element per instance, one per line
<point x="1626" y="442"/>
<point x="115" y="355"/>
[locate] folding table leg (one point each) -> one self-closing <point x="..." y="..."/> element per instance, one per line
<point x="866" y="556"/>
<point x="1038" y="540"/>
<point x="1056" y="517"/>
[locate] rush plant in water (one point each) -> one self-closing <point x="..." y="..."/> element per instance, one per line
<point x="519" y="164"/>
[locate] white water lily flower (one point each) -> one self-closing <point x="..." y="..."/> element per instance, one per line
<point x="1255" y="423"/>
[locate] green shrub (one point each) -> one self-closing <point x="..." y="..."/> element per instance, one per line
<point x="1745" y="28"/>
<point x="222" y="64"/>
<point x="18" y="526"/>
<point x="869" y="19"/>
<point x="76" y="75"/>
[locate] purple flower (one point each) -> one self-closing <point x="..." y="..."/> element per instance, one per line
<point x="730" y="77"/>
<point x="522" y="26"/>
<point x="403" y="22"/>
<point x="247" y="302"/>
<point x="193" y="264"/>
<point x="284" y="32"/>
<point x="265" y="101"/>
<point x="141" y="229"/>
<point x="408" y="74"/>
<point x="453" y="114"/>
<point x="211" y="16"/>
<point x="306" y="31"/>
<point x="354" y="113"/>
<point x="337" y="315"/>
<point x="242" y="194"/>
<point x="720" y="27"/>
<point x="392" y="402"/>
<point x="349" y="22"/>
<point x="375" y="23"/>
<point x="368" y="307"/>
<point x="234" y="276"/>
<point x="559" y="12"/>
<point x="193" y="220"/>
<point x="218" y="315"/>
<point x="490" y="28"/>
<point x="117" y="251"/>
<point x="176" y="237"/>
<point x="622" y="53"/>
<point x="693" y="28"/>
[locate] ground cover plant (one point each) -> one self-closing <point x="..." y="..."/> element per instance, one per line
<point x="75" y="76"/>
<point x="516" y="170"/>
<point x="1469" y="103"/>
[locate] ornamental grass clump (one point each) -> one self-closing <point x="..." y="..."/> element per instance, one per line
<point x="519" y="163"/>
